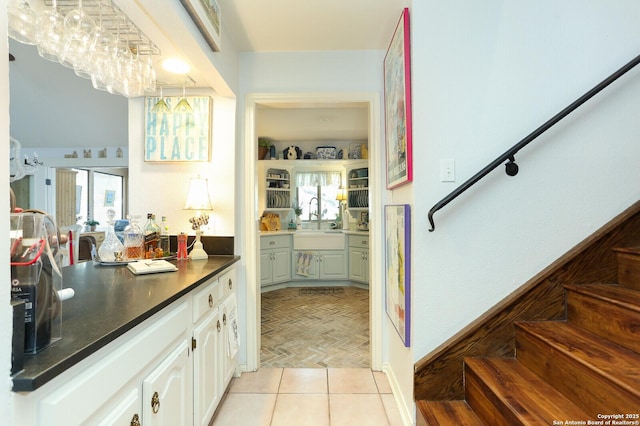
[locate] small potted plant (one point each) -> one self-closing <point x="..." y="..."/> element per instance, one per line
<point x="297" y="210"/>
<point x="92" y="223"/>
<point x="263" y="147"/>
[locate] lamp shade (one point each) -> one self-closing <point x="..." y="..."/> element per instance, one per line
<point x="198" y="197"/>
<point x="341" y="195"/>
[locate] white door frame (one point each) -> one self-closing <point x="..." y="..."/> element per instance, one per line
<point x="377" y="179"/>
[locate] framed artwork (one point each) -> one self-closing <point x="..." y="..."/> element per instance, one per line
<point x="109" y="198"/>
<point x="206" y="15"/>
<point x="364" y="217"/>
<point x="398" y="268"/>
<point x="397" y="105"/>
<point x="177" y="135"/>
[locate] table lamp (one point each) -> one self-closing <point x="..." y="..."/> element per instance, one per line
<point x="198" y="199"/>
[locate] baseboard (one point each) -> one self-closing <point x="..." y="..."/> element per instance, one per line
<point x="315" y="283"/>
<point x="407" y="409"/>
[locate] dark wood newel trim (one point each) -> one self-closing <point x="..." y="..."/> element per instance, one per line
<point x="438" y="376"/>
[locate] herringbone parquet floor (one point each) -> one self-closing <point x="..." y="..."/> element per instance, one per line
<point x="315" y="328"/>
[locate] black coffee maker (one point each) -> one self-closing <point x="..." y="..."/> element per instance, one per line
<point x="36" y="277"/>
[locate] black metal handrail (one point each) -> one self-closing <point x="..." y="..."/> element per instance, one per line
<point x="511" y="166"/>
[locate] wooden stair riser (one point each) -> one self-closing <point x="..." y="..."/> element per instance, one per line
<point x="613" y="322"/>
<point x="592" y="390"/>
<point x="486" y="404"/>
<point x="503" y="391"/>
<point x="628" y="268"/>
<point x="436" y="413"/>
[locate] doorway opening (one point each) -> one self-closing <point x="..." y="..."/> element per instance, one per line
<point x="373" y="295"/>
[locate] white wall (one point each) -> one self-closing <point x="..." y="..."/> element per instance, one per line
<point x="485" y="75"/>
<point x="325" y="74"/>
<point x="161" y="188"/>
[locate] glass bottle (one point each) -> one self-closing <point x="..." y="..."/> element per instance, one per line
<point x="133" y="240"/>
<point x="164" y="237"/>
<point x="152" y="238"/>
<point x="111" y="249"/>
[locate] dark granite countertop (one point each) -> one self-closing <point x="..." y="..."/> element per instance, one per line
<point x="108" y="302"/>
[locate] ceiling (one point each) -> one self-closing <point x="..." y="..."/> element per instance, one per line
<point x="304" y="25"/>
<point x="251" y="26"/>
<point x="307" y="25"/>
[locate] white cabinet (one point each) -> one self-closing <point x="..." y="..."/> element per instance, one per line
<point x="170" y="370"/>
<point x="126" y="411"/>
<point x="275" y="259"/>
<point x="166" y="392"/>
<point x="319" y="265"/>
<point x="214" y="364"/>
<point x="109" y="389"/>
<point x="359" y="258"/>
<point x="205" y="346"/>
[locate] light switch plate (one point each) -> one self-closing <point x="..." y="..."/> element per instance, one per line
<point x="447" y="170"/>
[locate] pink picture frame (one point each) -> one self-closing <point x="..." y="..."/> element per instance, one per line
<point x="397" y="105"/>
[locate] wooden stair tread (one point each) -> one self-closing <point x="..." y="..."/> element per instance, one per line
<point x="612" y="293"/>
<point x="590" y="350"/>
<point x="529" y="399"/>
<point x="448" y="413"/>
<point x="628" y="250"/>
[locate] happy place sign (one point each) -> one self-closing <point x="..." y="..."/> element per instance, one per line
<point x="175" y="133"/>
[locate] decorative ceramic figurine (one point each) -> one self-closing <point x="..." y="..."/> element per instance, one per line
<point x="292" y="153"/>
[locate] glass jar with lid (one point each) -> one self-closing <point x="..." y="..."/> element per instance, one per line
<point x="111" y="249"/>
<point x="133" y="240"/>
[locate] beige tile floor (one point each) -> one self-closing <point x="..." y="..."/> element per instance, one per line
<point x="309" y="397"/>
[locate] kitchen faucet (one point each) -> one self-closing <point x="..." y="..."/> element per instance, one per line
<point x="317" y="208"/>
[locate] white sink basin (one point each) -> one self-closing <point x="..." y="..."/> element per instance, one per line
<point x="318" y="240"/>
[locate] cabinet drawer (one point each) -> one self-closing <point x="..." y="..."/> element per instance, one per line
<point x="207" y="299"/>
<point x="275" y="241"/>
<point x="228" y="282"/>
<point x="361" y="241"/>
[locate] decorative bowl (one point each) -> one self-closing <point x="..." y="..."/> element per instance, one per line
<point x="326" y="152"/>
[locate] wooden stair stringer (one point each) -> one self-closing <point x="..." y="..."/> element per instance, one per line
<point x="438" y="375"/>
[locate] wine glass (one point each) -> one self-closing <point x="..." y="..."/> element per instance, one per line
<point x="50" y="33"/>
<point x="161" y="105"/>
<point x="79" y="39"/>
<point x="22" y="22"/>
<point x="103" y="59"/>
<point x="183" y="105"/>
<point x="148" y="74"/>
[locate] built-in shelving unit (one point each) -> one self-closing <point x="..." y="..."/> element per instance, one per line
<point x="278" y="189"/>
<point x="358" y="188"/>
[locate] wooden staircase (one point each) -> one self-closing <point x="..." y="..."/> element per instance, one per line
<point x="574" y="370"/>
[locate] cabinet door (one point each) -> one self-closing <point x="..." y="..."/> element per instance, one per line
<point x="228" y="346"/>
<point x="127" y="409"/>
<point x="281" y="266"/>
<point x="265" y="267"/>
<point x="333" y="265"/>
<point x="206" y="361"/>
<point x="357" y="266"/>
<point x="167" y="390"/>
